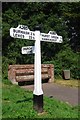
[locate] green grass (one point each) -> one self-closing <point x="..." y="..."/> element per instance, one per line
<point x="70" y="83"/>
<point x="18" y="103"/>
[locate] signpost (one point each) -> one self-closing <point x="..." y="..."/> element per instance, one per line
<point x="28" y="50"/>
<point x="23" y="32"/>
<point x="51" y="38"/>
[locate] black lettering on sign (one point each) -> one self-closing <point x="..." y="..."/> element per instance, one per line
<point x="45" y="35"/>
<point x="23" y="32"/>
<point x="33" y="34"/>
<point x="14" y="35"/>
<point x="14" y="30"/>
<point x="33" y="38"/>
<point x="18" y="36"/>
<point x="27" y="48"/>
<point x="23" y="27"/>
<point x="30" y="37"/>
<point x="54" y="37"/>
<point x="27" y="33"/>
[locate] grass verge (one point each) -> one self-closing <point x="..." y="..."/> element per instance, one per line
<point x="18" y="103"/>
<point x="71" y="83"/>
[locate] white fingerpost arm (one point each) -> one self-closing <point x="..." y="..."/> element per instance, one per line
<point x="37" y="66"/>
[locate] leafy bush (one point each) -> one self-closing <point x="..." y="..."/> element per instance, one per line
<point x="66" y="59"/>
<point x="5" y="64"/>
<point x="64" y="21"/>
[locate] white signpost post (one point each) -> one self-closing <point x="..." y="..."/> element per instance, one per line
<point x="23" y="32"/>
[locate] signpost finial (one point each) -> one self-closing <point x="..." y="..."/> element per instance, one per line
<point x="37" y="27"/>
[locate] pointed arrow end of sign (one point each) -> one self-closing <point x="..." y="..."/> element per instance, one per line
<point x="11" y="32"/>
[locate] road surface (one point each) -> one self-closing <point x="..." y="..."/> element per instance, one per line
<point x="63" y="93"/>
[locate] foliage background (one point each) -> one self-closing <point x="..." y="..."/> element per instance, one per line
<point x="64" y="18"/>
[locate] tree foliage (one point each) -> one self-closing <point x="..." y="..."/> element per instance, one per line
<point x="64" y="18"/>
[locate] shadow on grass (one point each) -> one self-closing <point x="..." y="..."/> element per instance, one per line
<point x="24" y="100"/>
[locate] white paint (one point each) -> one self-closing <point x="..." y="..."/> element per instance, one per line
<point x="22" y="34"/>
<point x="52" y="33"/>
<point x="37" y="66"/>
<point x="24" y="27"/>
<point x="27" y="50"/>
<point x="51" y="38"/>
